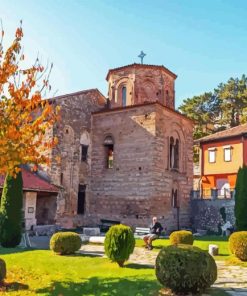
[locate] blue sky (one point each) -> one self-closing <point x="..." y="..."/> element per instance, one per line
<point x="203" y="42"/>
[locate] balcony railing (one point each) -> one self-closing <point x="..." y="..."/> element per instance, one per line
<point x="213" y="193"/>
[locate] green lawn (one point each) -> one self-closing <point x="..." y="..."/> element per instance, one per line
<point x="201" y="242"/>
<point x="35" y="272"/>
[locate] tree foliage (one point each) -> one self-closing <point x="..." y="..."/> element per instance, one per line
<point x="241" y="199"/>
<point x="220" y="109"/>
<point x="25" y="115"/>
<point x="11" y="211"/>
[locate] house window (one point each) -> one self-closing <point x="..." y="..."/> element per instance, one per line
<point x="81" y="199"/>
<point x="84" y="152"/>
<point x="212" y="155"/>
<point x="124" y="96"/>
<point x="227" y="154"/>
<point x="109" y="151"/>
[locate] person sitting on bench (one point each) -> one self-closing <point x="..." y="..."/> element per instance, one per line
<point x="155" y="231"/>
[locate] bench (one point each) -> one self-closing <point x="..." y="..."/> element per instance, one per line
<point x="142" y="231"/>
<point x="106" y="224"/>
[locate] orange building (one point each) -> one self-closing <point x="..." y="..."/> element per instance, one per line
<point x="221" y="155"/>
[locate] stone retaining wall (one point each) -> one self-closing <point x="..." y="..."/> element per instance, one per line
<point x="207" y="214"/>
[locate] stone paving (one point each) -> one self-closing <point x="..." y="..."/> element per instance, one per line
<point x="232" y="279"/>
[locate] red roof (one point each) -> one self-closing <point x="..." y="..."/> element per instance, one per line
<point x="229" y="133"/>
<point x="32" y="182"/>
<point x="135" y="65"/>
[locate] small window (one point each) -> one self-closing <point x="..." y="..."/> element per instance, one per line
<point x="227" y="154"/>
<point x="174" y="153"/>
<point x="109" y="151"/>
<point x="175" y="198"/>
<point x="211" y="155"/>
<point x="84" y="152"/>
<point x="81" y="199"/>
<point x="124" y="96"/>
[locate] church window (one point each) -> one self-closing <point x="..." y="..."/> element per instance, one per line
<point x="84" y="152"/>
<point x="174" y="153"/>
<point x="124" y="96"/>
<point x="81" y="199"/>
<point x="175" y="198"/>
<point x="85" y="142"/>
<point x="109" y="151"/>
<point x="171" y="152"/>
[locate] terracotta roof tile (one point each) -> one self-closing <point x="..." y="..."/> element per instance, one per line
<point x="135" y="65"/>
<point x="231" y="132"/>
<point x="33" y="182"/>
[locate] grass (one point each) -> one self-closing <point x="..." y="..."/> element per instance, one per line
<point x="201" y="242"/>
<point x="40" y="272"/>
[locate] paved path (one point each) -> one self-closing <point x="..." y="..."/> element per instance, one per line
<point x="232" y="279"/>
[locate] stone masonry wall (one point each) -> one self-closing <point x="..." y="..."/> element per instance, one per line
<point x="139" y="185"/>
<point x="143" y="85"/>
<point x="169" y="124"/>
<point x="205" y="214"/>
<point x="75" y="125"/>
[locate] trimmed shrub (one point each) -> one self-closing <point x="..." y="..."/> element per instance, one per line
<point x="119" y="243"/>
<point x="3" y="270"/>
<point x="11" y="212"/>
<point x="181" y="237"/>
<point x="186" y="269"/>
<point x="238" y="245"/>
<point x="241" y="199"/>
<point x="65" y="243"/>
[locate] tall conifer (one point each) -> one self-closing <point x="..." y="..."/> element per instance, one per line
<point x="11" y="211"/>
<point x="241" y="199"/>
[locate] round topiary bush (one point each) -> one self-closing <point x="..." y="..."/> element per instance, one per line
<point x="65" y="243"/>
<point x="3" y="270"/>
<point x="238" y="244"/>
<point x="186" y="269"/>
<point x="119" y="243"/>
<point x="181" y="237"/>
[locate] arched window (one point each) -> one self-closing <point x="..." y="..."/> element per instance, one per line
<point x="124" y="96"/>
<point x="174" y="200"/>
<point x="109" y="150"/>
<point x="84" y="141"/>
<point x="171" y="152"/>
<point x="174" y="153"/>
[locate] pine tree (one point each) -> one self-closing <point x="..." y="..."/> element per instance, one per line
<point x="11" y="211"/>
<point x="241" y="199"/>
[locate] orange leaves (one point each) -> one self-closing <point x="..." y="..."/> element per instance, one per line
<point x="26" y="119"/>
<point x="19" y="33"/>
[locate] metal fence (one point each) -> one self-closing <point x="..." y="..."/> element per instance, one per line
<point x="213" y="193"/>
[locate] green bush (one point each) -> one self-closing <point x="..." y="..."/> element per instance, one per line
<point x="11" y="211"/>
<point x="241" y="199"/>
<point x="186" y="269"/>
<point x="2" y="270"/>
<point x="238" y="244"/>
<point x="65" y="243"/>
<point x="181" y="237"/>
<point x="119" y="243"/>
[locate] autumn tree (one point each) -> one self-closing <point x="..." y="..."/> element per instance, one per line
<point x="25" y="118"/>
<point x="25" y="115"/>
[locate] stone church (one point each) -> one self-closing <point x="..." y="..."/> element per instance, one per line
<point x="127" y="157"/>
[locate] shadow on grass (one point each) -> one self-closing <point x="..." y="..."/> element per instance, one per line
<point x="139" y="266"/>
<point x="6" y="251"/>
<point x="97" y="286"/>
<point x="14" y="286"/>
